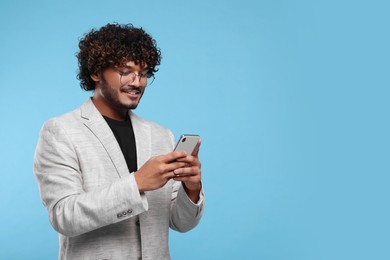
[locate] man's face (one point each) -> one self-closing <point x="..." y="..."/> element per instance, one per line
<point x="117" y="91"/>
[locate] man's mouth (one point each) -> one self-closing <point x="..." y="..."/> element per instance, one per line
<point x="132" y="91"/>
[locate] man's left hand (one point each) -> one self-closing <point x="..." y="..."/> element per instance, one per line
<point x="191" y="174"/>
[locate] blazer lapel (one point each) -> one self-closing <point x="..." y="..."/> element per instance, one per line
<point x="142" y="133"/>
<point x="95" y="122"/>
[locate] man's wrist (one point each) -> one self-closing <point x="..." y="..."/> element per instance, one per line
<point x="193" y="187"/>
<point x="138" y="182"/>
<point x="192" y="191"/>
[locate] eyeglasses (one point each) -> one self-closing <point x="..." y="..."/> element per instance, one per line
<point x="128" y="77"/>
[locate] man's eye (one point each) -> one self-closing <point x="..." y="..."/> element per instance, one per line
<point x="124" y="73"/>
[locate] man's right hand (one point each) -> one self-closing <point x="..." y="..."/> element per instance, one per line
<point x="157" y="171"/>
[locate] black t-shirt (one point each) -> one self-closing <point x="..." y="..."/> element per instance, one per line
<point x="124" y="134"/>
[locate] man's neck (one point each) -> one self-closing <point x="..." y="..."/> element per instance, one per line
<point x="108" y="111"/>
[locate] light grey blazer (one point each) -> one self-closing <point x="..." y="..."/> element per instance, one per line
<point x="91" y="197"/>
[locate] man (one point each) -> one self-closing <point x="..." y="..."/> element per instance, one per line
<point x="108" y="178"/>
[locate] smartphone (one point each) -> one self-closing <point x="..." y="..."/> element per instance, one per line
<point x="187" y="143"/>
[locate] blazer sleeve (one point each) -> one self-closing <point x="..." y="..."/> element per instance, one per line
<point x="72" y="211"/>
<point x="185" y="214"/>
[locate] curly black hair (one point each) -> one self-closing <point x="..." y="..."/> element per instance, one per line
<point x="113" y="45"/>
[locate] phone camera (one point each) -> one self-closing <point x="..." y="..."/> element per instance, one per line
<point x="184" y="139"/>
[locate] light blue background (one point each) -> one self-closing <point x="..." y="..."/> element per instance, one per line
<point x="291" y="99"/>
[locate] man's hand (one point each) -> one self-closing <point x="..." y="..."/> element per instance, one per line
<point x="157" y="171"/>
<point x="190" y="174"/>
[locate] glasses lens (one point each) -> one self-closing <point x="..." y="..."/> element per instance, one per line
<point x="127" y="78"/>
<point x="145" y="80"/>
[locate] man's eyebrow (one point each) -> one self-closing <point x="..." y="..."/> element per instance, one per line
<point x="132" y="67"/>
<point x="126" y="67"/>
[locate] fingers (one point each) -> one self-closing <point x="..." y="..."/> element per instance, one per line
<point x="177" y="163"/>
<point x="190" y="160"/>
<point x="188" y="178"/>
<point x="173" y="166"/>
<point x="187" y="171"/>
<point x="183" y="178"/>
<point x="182" y="172"/>
<point x="173" y="156"/>
<point x="196" y="150"/>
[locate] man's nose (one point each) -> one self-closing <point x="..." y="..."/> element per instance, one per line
<point x="137" y="82"/>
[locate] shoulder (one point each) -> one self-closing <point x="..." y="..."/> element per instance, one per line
<point x="158" y="133"/>
<point x="67" y="118"/>
<point x="61" y="123"/>
<point x="155" y="127"/>
<point x="76" y="118"/>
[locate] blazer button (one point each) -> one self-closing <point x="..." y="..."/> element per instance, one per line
<point x="119" y="215"/>
<point x="129" y="211"/>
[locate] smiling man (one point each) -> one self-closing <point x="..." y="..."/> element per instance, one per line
<point x="108" y="178"/>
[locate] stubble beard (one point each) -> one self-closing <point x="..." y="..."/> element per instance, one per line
<point x="111" y="97"/>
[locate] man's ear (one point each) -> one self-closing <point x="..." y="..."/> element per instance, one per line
<point x="95" y="77"/>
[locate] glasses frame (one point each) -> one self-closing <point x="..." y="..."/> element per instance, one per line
<point x="148" y="77"/>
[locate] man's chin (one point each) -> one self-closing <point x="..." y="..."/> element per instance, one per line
<point x="132" y="106"/>
<point x="129" y="104"/>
